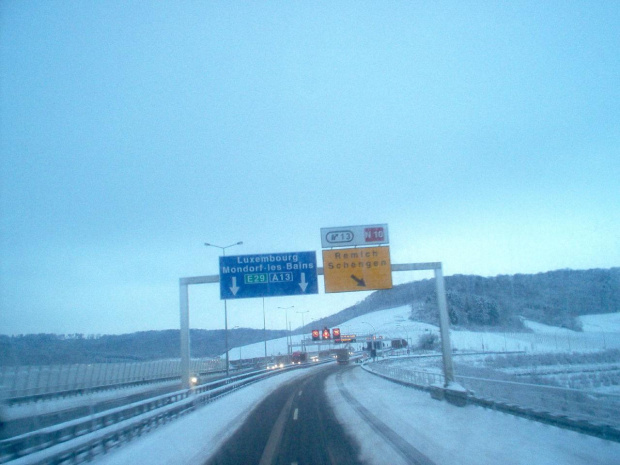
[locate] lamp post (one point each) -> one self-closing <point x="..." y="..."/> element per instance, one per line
<point x="374" y="338"/>
<point x="225" y="309"/>
<point x="264" y="330"/>
<point x="303" y="344"/>
<point x="603" y="333"/>
<point x="302" y="317"/>
<point x="288" y="335"/>
<point x="406" y="333"/>
<point x="373" y="329"/>
<point x="233" y="328"/>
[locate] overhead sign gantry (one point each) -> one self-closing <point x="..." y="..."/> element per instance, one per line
<point x="295" y="273"/>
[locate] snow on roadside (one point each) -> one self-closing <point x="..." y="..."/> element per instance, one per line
<point x="543" y="328"/>
<point x="447" y="434"/>
<point x="194" y="437"/>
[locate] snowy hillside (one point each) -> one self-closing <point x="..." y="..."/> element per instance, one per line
<point x="599" y="332"/>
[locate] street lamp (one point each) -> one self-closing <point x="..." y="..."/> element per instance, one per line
<point x="264" y="330"/>
<point x="603" y="332"/>
<point x="225" y="309"/>
<point x="373" y="328"/>
<point x="303" y="344"/>
<point x="302" y="317"/>
<point x="374" y="337"/>
<point x="223" y="248"/>
<point x="406" y="333"/>
<point x="288" y="335"/>
<point x="233" y="328"/>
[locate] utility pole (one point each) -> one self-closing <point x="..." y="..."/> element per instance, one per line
<point x="264" y="329"/>
<point x="288" y="329"/>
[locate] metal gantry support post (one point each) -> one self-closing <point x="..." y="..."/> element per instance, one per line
<point x="444" y="321"/>
<point x="184" y="314"/>
<point x="444" y="327"/>
<point x="184" y="302"/>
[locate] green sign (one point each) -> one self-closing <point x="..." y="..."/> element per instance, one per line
<point x="255" y="278"/>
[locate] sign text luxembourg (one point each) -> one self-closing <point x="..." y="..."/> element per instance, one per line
<point x="349" y="236"/>
<point x="268" y="275"/>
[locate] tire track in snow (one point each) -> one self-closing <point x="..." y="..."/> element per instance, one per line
<point x="406" y="450"/>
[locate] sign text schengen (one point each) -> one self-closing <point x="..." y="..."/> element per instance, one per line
<point x="268" y="275"/>
<point x="361" y="269"/>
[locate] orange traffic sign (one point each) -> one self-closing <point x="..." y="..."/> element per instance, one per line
<point x="359" y="269"/>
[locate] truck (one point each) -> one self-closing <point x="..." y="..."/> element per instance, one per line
<point x="342" y="356"/>
<point x="299" y="357"/>
<point x="399" y="344"/>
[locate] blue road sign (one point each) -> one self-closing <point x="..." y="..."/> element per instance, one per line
<point x="268" y="275"/>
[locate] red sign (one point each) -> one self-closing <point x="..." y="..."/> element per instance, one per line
<point x="374" y="234"/>
<point x="326" y="334"/>
<point x="316" y="335"/>
<point x="336" y="333"/>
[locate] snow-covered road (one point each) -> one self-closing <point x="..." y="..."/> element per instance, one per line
<point x="444" y="433"/>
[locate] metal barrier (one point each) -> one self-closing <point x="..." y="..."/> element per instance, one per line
<point x="80" y="440"/>
<point x="588" y="412"/>
<point x="416" y="377"/>
<point x="584" y="405"/>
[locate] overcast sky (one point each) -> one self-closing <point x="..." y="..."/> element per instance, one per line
<point x="485" y="134"/>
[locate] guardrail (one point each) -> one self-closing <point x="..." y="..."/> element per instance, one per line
<point x="587" y="412"/>
<point x="84" y="391"/>
<point x="50" y="436"/>
<point x="79" y="440"/>
<point x="419" y="378"/>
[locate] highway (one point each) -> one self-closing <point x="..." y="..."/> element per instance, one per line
<point x="293" y="425"/>
<point x="324" y="414"/>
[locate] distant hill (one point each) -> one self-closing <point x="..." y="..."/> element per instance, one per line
<point x="554" y="298"/>
<point x="51" y="349"/>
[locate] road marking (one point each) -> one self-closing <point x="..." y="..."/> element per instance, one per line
<point x="299" y="394"/>
<point x="273" y="443"/>
<point x="295" y="414"/>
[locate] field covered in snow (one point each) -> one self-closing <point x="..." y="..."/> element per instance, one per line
<point x="600" y="332"/>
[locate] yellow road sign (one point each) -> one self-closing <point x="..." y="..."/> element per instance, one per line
<point x="360" y="269"/>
